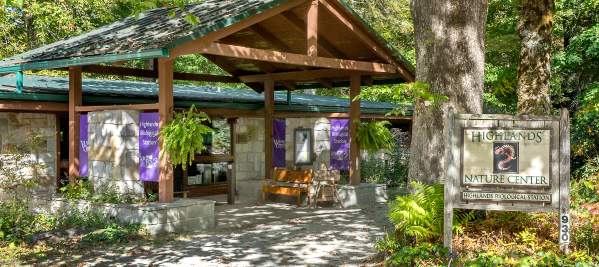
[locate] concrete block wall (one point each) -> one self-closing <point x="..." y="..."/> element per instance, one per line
<point x="14" y="129"/>
<point x="113" y="154"/>
<point x="183" y="215"/>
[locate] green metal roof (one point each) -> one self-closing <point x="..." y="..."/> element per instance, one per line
<point x="149" y="35"/>
<point x="55" y="89"/>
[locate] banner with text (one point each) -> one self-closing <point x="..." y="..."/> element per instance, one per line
<point x="340" y="144"/>
<point x="278" y="143"/>
<point x="149" y="167"/>
<point x="83" y="145"/>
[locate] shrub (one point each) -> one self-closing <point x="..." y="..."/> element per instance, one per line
<point x="425" y="254"/>
<point x="392" y="168"/>
<point x="17" y="223"/>
<point x="418" y="217"/>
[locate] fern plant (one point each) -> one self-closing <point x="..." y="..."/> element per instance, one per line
<point x="184" y="136"/>
<point x="375" y="135"/>
<point x="418" y="217"/>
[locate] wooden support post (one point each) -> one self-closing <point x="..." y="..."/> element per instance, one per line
<point x="269" y="108"/>
<point x="564" y="182"/>
<point x="354" y="120"/>
<point x="453" y="155"/>
<point x="165" y="108"/>
<point x="75" y="99"/>
<point x="312" y="29"/>
<point x="232" y="182"/>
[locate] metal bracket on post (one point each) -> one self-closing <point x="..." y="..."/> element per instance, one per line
<point x="20" y="77"/>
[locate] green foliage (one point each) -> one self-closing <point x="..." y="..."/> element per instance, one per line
<point x="84" y="190"/>
<point x="78" y="190"/>
<point x="425" y="254"/>
<point x="390" y="166"/>
<point x="392" y="171"/>
<point x="375" y="135"/>
<point x="112" y="233"/>
<point x="16" y="222"/>
<point x="418" y="217"/>
<point x="183" y="137"/>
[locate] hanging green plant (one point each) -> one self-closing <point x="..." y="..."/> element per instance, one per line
<point x="184" y="136"/>
<point x="375" y="135"/>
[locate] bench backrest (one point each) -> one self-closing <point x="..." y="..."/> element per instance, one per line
<point x="292" y="176"/>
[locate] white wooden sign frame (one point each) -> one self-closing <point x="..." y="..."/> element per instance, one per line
<point x="559" y="169"/>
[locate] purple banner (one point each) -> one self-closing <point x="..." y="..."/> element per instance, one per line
<point x="340" y="144"/>
<point x="278" y="143"/>
<point x="83" y="145"/>
<point x="149" y="167"/>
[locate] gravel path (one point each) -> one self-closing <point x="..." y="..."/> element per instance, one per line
<point x="265" y="235"/>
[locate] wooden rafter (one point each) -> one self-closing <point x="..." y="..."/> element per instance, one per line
<point x="192" y="46"/>
<point x="270" y="38"/>
<point x="323" y="43"/>
<point x="294" y="59"/>
<point x="312" y="29"/>
<point x="364" y="37"/>
<point x="122" y="71"/>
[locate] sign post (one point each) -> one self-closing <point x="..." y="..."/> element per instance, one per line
<point x="508" y="163"/>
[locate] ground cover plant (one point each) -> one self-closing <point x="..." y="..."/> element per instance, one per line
<point x="486" y="238"/>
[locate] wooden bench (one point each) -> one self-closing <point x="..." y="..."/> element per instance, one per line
<point x="289" y="183"/>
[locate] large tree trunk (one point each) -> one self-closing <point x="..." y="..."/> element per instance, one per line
<point x="534" y="71"/>
<point x="450" y="57"/>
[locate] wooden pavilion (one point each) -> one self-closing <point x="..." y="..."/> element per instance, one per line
<point x="266" y="44"/>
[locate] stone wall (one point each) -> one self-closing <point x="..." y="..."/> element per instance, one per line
<point x="249" y="151"/>
<point x="14" y="130"/>
<point x="113" y="154"/>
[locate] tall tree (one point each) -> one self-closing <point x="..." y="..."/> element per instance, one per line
<point x="534" y="71"/>
<point x="449" y="38"/>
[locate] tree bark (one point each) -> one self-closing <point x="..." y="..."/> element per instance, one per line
<point x="449" y="38"/>
<point x="534" y="70"/>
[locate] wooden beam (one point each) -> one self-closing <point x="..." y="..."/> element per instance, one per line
<point x="366" y="38"/>
<point x="33" y="106"/>
<point x="270" y="38"/>
<point x="354" y="120"/>
<point x="292" y="114"/>
<point x="153" y="106"/>
<point x="325" y="82"/>
<point x="306" y="75"/>
<point x="269" y="109"/>
<point x="165" y="108"/>
<point x="123" y="71"/>
<point x="232" y="113"/>
<point x="75" y="99"/>
<point x="323" y="43"/>
<point x="294" y="59"/>
<point x="192" y="47"/>
<point x="231" y="69"/>
<point x="312" y="29"/>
